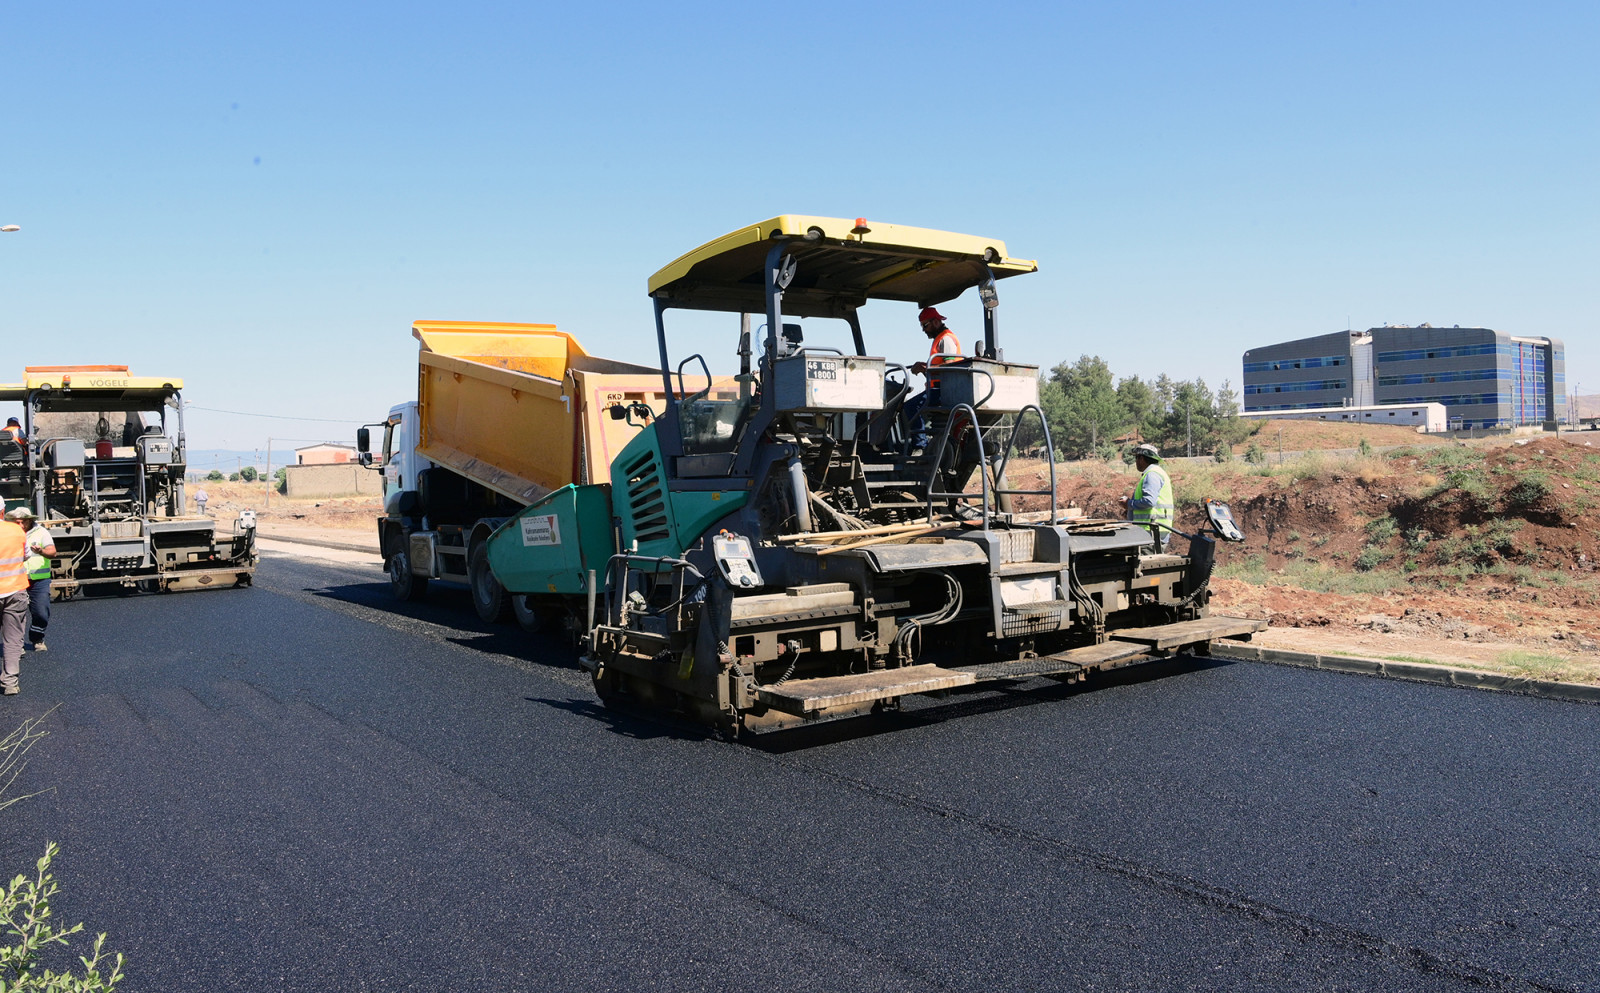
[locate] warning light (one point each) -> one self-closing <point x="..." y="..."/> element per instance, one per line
<point x="861" y="226"/>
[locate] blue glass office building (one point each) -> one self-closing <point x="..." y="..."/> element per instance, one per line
<point x="1485" y="378"/>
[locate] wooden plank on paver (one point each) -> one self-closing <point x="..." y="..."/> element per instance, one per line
<point x="1180" y="633"/>
<point x="1072" y="660"/>
<point x="804" y="696"/>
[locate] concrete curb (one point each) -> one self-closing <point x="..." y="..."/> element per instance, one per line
<point x="343" y="546"/>
<point x="1441" y="675"/>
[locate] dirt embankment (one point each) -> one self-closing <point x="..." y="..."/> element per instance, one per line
<point x="341" y="513"/>
<point x="1471" y="554"/>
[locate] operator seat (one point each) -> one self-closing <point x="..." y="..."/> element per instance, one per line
<point x="883" y="421"/>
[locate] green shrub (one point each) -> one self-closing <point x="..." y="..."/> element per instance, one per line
<point x="1307" y="466"/>
<point x="1365" y="448"/>
<point x="214" y="476"/>
<point x="25" y="912"/>
<point x="1451" y="456"/>
<point x="1416" y="539"/>
<point x="1469" y="480"/>
<point x="1380" y="530"/>
<point x="1499" y="533"/>
<point x="1529" y="489"/>
<point x="1255" y="454"/>
<point x="1371" y="557"/>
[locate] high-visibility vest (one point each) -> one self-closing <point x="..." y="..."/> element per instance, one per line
<point x="13" y="547"/>
<point x="1161" y="513"/>
<point x="945" y="347"/>
<point x="38" y="563"/>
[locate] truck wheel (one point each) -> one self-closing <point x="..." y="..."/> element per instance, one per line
<point x="489" y="598"/>
<point x="402" y="583"/>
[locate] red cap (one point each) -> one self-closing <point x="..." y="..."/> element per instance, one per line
<point x="929" y="314"/>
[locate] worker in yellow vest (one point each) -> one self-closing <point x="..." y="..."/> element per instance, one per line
<point x="40" y="549"/>
<point x="943" y="346"/>
<point x="13" y="602"/>
<point x="1151" y="500"/>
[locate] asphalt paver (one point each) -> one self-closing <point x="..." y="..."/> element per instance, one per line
<point x="309" y="786"/>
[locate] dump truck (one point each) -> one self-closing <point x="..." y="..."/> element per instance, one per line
<point x="101" y="463"/>
<point x="505" y="415"/>
<point x="774" y="548"/>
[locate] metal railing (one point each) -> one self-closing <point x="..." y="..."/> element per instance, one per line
<point x="998" y="468"/>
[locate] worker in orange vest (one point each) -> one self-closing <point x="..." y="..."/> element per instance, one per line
<point x="943" y="346"/>
<point x="13" y="602"/>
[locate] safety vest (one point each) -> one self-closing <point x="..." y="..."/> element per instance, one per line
<point x="38" y="563"/>
<point x="945" y="347"/>
<point x="1161" y="513"/>
<point x="13" y="547"/>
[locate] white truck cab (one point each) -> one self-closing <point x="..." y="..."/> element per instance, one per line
<point x="402" y="463"/>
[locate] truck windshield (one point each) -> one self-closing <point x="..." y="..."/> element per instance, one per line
<point x="120" y="427"/>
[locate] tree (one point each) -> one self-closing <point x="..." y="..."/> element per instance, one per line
<point x="1231" y="428"/>
<point x="248" y="473"/>
<point x="1192" y="420"/>
<point x="1092" y="410"/>
<point x="233" y="477"/>
<point x="1138" y="402"/>
<point x="1029" y="435"/>
<point x="214" y="476"/>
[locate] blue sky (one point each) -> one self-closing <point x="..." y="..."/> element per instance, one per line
<point x="261" y="201"/>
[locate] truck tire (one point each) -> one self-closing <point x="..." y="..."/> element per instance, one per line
<point x="402" y="583"/>
<point x="489" y="598"/>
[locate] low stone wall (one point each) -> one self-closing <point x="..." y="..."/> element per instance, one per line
<point x="311" y="482"/>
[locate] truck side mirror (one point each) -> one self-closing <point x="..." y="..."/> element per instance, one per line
<point x="364" y="443"/>
<point x="617" y="411"/>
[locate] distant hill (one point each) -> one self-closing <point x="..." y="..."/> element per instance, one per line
<point x="203" y="460"/>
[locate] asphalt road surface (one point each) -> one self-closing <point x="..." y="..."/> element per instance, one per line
<point x="306" y="786"/>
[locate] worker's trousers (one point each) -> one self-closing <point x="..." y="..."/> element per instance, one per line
<point x="38" y="608"/>
<point x="13" y="625"/>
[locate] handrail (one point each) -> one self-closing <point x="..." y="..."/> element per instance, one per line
<point x="992" y="385"/>
<point x="1050" y="455"/>
<point x="677" y="564"/>
<point x="938" y="458"/>
<point x="1003" y="457"/>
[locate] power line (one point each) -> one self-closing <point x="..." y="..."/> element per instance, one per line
<point x="276" y="417"/>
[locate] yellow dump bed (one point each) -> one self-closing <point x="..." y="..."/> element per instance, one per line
<point x="522" y="408"/>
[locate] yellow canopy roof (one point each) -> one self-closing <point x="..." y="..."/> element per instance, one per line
<point x="85" y="382"/>
<point x="841" y="265"/>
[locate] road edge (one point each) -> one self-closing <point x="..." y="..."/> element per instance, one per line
<point x="1439" y="675"/>
<point x="343" y="546"/>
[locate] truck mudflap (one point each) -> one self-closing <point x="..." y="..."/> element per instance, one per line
<point x="845" y="694"/>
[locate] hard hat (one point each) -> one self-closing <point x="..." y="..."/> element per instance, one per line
<point x="929" y="314"/>
<point x="19" y="514"/>
<point x="12" y="420"/>
<point x="1147" y="451"/>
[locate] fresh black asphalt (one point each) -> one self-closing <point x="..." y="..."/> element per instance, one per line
<point x="307" y="786"/>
